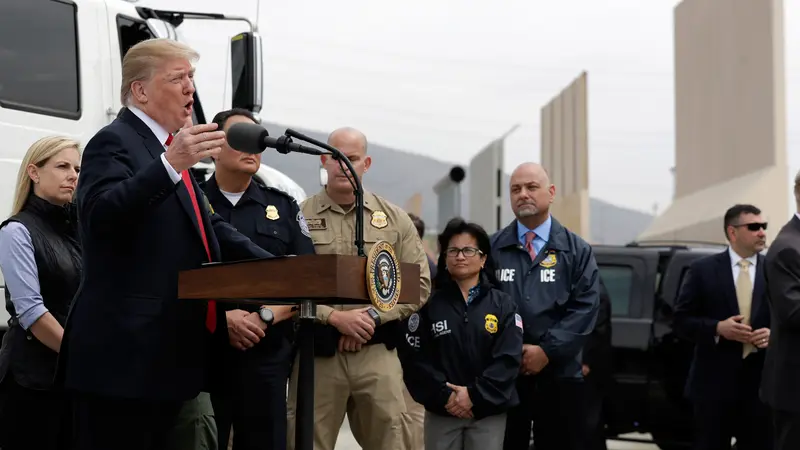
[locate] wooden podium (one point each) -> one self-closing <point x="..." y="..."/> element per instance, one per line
<point x="305" y="280"/>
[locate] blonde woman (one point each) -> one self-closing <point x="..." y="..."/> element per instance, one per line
<point x="40" y="258"/>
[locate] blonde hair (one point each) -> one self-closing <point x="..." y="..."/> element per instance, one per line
<point x="38" y="154"/>
<point x="144" y="58"/>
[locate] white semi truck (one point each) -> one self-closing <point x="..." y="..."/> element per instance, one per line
<point x="60" y="74"/>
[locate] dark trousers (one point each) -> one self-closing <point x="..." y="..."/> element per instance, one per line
<point x="595" y="409"/>
<point x="556" y="407"/>
<point x="786" y="428"/>
<point x="103" y="423"/>
<point x="741" y="415"/>
<point x="253" y="398"/>
<point x="32" y="419"/>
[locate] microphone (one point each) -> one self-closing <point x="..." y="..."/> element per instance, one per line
<point x="252" y="138"/>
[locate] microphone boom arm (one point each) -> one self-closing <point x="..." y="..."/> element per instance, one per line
<point x="358" y="188"/>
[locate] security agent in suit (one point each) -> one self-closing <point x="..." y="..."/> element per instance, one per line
<point x="257" y="364"/>
<point x="552" y="275"/>
<point x="133" y="353"/>
<point x="722" y="308"/>
<point x="780" y="384"/>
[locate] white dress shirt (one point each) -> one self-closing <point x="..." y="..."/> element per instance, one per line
<point x="735" y="258"/>
<point x="162" y="136"/>
<point x="735" y="269"/>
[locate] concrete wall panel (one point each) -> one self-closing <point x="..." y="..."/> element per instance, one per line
<point x="486" y="187"/>
<point x="730" y="115"/>
<point x="565" y="154"/>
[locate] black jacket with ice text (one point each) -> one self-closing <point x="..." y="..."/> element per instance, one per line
<point x="477" y="345"/>
<point x="557" y="294"/>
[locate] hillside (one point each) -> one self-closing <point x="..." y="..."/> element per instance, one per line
<point x="397" y="175"/>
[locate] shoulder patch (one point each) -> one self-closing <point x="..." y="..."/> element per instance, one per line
<point x="518" y="321"/>
<point x="301" y="220"/>
<point x="413" y="323"/>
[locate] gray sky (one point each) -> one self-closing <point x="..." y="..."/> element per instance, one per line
<point x="443" y="78"/>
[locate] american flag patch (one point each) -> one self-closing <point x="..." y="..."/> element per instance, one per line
<point x="518" y="320"/>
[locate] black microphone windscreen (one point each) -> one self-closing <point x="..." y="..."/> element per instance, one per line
<point x="247" y="137"/>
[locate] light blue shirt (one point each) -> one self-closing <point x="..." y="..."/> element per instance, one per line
<point x="542" y="233"/>
<point x="21" y="274"/>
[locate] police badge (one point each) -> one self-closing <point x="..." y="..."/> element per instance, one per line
<point x="383" y="276"/>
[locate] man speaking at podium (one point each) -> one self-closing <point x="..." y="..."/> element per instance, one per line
<point x="133" y="353"/>
<point x="361" y="375"/>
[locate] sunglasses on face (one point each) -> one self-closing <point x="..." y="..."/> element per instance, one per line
<point x="754" y="226"/>
<point x="467" y="251"/>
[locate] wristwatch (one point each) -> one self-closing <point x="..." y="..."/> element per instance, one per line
<point x="266" y="315"/>
<point x="375" y="316"/>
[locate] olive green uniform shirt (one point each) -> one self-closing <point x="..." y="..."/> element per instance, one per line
<point x="333" y="231"/>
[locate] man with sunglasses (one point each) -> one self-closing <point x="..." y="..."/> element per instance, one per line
<point x="722" y="307"/>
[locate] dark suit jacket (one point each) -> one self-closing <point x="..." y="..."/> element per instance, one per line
<point x="598" y="349"/>
<point x="707" y="296"/>
<point x="780" y="387"/>
<point x="127" y="334"/>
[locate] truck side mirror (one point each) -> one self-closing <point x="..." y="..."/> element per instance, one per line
<point x="246" y="71"/>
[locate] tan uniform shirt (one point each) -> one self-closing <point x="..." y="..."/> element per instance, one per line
<point x="333" y="231"/>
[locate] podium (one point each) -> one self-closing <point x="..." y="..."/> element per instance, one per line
<point x="306" y="280"/>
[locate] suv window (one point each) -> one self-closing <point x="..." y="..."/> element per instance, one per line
<point x="39" y="57"/>
<point x="619" y="284"/>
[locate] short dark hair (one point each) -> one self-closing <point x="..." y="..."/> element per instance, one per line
<point x="419" y="224"/>
<point x="222" y="117"/>
<point x="734" y="212"/>
<point x="455" y="227"/>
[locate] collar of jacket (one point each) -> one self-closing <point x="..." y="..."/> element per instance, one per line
<point x="558" y="237"/>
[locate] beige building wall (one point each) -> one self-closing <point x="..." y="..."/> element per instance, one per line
<point x="565" y="155"/>
<point x="730" y="117"/>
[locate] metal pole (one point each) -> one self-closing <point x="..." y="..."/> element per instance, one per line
<point x="304" y="428"/>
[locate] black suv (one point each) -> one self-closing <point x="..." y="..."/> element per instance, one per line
<point x="650" y="362"/>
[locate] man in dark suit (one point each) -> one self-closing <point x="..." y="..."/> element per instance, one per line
<point x="133" y="353"/>
<point x="722" y="308"/>
<point x="780" y="387"/>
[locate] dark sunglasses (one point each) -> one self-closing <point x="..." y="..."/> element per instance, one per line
<point x="754" y="226"/>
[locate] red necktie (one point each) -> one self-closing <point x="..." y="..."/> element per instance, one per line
<point x="529" y="237"/>
<point x="211" y="314"/>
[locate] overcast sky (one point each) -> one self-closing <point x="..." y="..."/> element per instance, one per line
<point x="444" y="78"/>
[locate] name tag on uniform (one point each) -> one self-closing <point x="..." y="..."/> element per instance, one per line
<point x="316" y="224"/>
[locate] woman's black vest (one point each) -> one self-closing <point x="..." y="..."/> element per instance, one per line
<point x="53" y="231"/>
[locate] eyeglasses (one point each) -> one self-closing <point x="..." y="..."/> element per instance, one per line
<point x="467" y="251"/>
<point x="754" y="226"/>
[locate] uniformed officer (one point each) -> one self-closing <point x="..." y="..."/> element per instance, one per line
<point x="361" y="375"/>
<point x="463" y="349"/>
<point x="552" y="274"/>
<point x="256" y="366"/>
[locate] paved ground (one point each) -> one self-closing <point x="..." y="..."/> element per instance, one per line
<point x="347" y="442"/>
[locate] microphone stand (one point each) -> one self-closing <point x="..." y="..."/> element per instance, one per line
<point x="304" y="428"/>
<point x="358" y="189"/>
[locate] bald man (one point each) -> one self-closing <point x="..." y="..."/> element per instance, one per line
<point x="356" y="366"/>
<point x="552" y="274"/>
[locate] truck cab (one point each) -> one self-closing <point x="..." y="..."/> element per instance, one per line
<point x="61" y="74"/>
<point x="650" y="363"/>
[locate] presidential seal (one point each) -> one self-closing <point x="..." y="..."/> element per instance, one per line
<point x="383" y="276"/>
